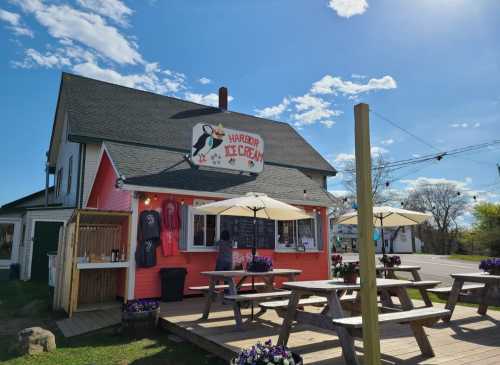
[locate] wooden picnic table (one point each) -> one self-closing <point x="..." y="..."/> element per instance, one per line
<point x="485" y="296"/>
<point x="230" y="278"/>
<point x="332" y="289"/>
<point x="390" y="273"/>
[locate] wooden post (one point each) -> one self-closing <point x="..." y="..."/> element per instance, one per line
<point x="369" y="310"/>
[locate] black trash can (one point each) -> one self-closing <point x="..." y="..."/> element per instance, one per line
<point x="172" y="283"/>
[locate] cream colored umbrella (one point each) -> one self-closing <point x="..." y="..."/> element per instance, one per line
<point x="387" y="217"/>
<point x="255" y="205"/>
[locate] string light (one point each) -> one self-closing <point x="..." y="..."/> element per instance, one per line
<point x="147" y="201"/>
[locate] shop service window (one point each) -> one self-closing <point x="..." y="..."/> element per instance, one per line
<point x="204" y="230"/>
<point x="297" y="235"/>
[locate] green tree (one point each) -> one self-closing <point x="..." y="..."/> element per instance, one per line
<point x="487" y="227"/>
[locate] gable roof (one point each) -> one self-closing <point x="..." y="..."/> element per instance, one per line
<point x="100" y="111"/>
<point x="160" y="168"/>
<point x="33" y="200"/>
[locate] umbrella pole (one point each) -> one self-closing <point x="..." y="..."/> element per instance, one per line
<point x="382" y="234"/>
<point x="254" y="248"/>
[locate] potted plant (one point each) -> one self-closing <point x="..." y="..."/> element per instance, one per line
<point x="336" y="259"/>
<point x="390" y="261"/>
<point x="140" y="314"/>
<point x="492" y="266"/>
<point x="267" y="354"/>
<point x="348" y="271"/>
<point x="260" y="264"/>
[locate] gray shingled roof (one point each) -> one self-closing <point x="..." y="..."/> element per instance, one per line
<point x="154" y="167"/>
<point x="102" y="111"/>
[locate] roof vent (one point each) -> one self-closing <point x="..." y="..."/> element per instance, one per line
<point x="223" y="98"/>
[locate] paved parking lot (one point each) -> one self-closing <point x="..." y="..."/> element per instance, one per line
<point x="433" y="267"/>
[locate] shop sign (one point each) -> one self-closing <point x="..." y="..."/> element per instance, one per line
<point x="216" y="146"/>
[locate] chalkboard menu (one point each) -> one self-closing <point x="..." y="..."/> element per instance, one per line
<point x="241" y="230"/>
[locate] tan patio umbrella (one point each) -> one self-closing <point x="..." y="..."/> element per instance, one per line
<point x="255" y="205"/>
<point x="386" y="216"/>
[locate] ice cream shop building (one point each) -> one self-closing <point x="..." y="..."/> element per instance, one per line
<point x="157" y="158"/>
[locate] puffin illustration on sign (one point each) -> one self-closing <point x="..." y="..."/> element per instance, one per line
<point x="216" y="146"/>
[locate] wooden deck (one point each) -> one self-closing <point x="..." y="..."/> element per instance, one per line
<point x="85" y="322"/>
<point x="469" y="338"/>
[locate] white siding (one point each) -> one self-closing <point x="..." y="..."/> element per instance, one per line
<point x="55" y="215"/>
<point x="91" y="162"/>
<point x="66" y="150"/>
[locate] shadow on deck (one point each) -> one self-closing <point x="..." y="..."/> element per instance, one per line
<point x="468" y="338"/>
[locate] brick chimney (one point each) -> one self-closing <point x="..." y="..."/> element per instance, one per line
<point x="223" y="98"/>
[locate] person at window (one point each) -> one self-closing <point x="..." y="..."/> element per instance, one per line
<point x="224" y="246"/>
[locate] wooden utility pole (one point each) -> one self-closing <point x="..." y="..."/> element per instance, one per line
<point x="369" y="305"/>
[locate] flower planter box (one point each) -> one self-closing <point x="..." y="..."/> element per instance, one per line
<point x="140" y="323"/>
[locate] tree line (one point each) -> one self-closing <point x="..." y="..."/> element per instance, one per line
<point x="444" y="200"/>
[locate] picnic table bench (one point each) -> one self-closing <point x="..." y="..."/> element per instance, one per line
<point x="235" y="297"/>
<point x="333" y="317"/>
<point x="484" y="290"/>
<point x="418" y="283"/>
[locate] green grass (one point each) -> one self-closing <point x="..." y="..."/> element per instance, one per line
<point x="415" y="294"/>
<point x="104" y="347"/>
<point x="473" y="258"/>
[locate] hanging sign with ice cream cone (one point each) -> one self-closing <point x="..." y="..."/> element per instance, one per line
<point x="216" y="146"/>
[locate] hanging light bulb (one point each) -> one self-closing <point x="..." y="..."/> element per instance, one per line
<point x="147" y="201"/>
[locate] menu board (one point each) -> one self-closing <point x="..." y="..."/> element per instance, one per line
<point x="241" y="231"/>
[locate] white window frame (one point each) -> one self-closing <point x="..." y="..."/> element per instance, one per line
<point x="197" y="248"/>
<point x="14" y="254"/>
<point x="281" y="248"/>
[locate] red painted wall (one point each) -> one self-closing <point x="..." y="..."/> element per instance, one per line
<point x="147" y="282"/>
<point x="104" y="194"/>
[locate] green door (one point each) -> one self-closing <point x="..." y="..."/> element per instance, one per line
<point x="44" y="241"/>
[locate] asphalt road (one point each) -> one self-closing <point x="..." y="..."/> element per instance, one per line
<point x="433" y="267"/>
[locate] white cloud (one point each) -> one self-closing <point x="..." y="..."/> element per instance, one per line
<point x="358" y="76"/>
<point x="327" y="123"/>
<point x="48" y="60"/>
<point x="204" y="81"/>
<point x="465" y="125"/>
<point x="423" y="181"/>
<point x="311" y="109"/>
<point x="211" y="99"/>
<point x="387" y="142"/>
<point x="113" y="9"/>
<point x="377" y="151"/>
<point x="348" y="8"/>
<point x="14" y="23"/>
<point x="334" y="85"/>
<point x="150" y="80"/>
<point x="91" y="30"/>
<point x="273" y="111"/>
<point x="344" y="157"/>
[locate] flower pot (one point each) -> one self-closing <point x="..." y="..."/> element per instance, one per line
<point x="296" y="358"/>
<point x="495" y="271"/>
<point x="350" y="278"/>
<point x="258" y="267"/>
<point x="140" y="324"/>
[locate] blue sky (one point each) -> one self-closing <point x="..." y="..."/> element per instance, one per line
<point x="431" y="66"/>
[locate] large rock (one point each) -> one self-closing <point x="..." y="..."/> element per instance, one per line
<point x="35" y="340"/>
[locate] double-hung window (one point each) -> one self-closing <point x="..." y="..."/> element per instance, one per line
<point x="204" y="230"/>
<point x="298" y="235"/>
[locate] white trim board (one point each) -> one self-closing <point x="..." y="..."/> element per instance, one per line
<point x="207" y="194"/>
